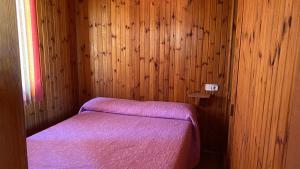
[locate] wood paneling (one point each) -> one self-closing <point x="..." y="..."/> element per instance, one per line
<point x="293" y="149"/>
<point x="12" y="132"/>
<point x="156" y="50"/>
<point x="57" y="34"/>
<point x="266" y="47"/>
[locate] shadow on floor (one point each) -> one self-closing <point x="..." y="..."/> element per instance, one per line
<point x="211" y="161"/>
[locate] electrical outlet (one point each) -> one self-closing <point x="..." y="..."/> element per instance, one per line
<point x="211" y="87"/>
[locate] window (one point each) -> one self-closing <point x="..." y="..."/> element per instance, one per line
<point x="29" y="50"/>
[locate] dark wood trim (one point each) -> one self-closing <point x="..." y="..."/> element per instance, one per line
<point x="12" y="132"/>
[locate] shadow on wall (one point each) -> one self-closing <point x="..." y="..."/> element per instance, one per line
<point x="83" y="26"/>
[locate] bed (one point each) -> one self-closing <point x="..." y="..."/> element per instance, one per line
<point x="112" y="133"/>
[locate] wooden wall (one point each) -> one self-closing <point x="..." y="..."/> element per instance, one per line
<point x="266" y="47"/>
<point x="156" y="50"/>
<point x="293" y="149"/>
<point x="57" y="34"/>
<point x="12" y="132"/>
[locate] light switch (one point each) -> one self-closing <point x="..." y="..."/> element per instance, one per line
<point x="211" y="87"/>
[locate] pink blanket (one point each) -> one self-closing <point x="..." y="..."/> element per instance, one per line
<point x="114" y="133"/>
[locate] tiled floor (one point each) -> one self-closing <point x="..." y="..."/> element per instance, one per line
<point x="211" y="161"/>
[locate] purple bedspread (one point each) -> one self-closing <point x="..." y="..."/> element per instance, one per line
<point x="119" y="134"/>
